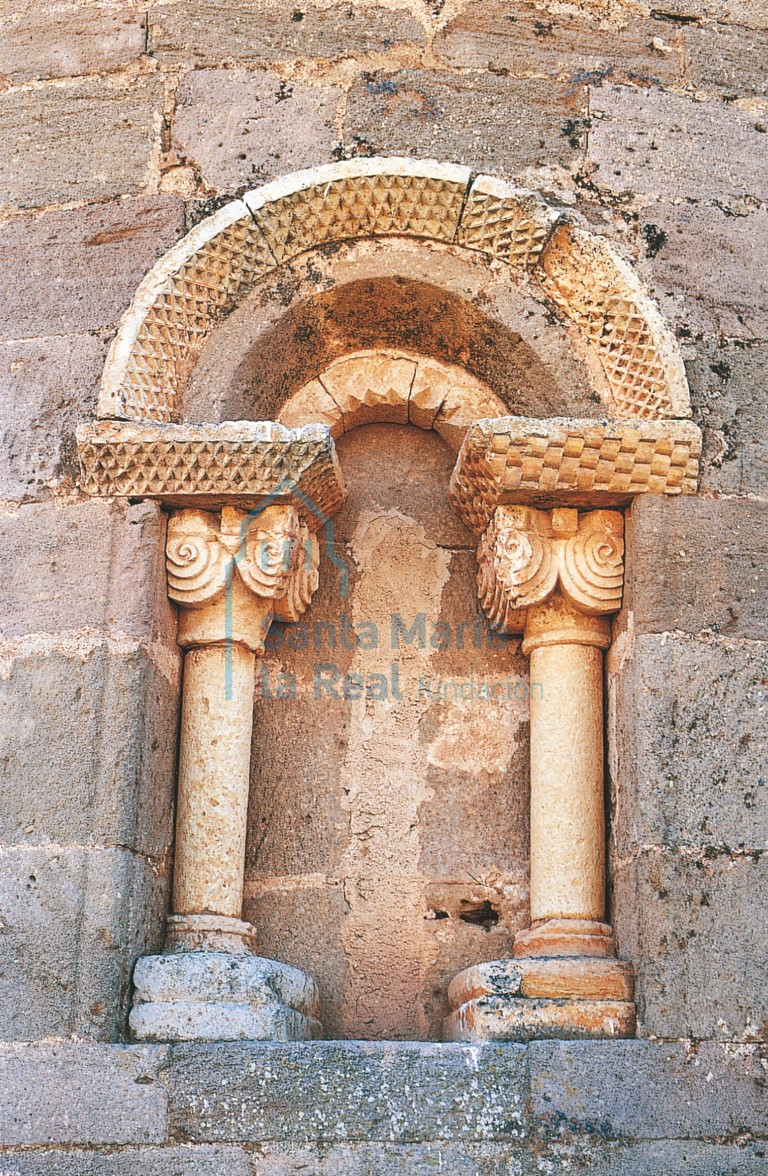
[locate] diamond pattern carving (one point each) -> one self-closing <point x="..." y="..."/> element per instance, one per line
<point x="186" y="306"/>
<point x="219" y="465"/>
<point x="359" y="206"/>
<point x="599" y="292"/>
<point x="203" y="277"/>
<point x="505" y="222"/>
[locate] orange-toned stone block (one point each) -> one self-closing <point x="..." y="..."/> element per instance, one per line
<point x="559" y="978"/>
<point x="587" y="979"/>
<point x="370" y="388"/>
<point x="312" y="404"/>
<point x="467" y="401"/>
<point x="498" y="1018"/>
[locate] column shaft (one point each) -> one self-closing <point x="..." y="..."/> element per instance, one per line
<point x="214" y="768"/>
<point x="567" y="805"/>
<point x="556" y="577"/>
<point x="231" y="573"/>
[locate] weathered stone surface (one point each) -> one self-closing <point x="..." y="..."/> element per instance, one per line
<point x="81" y="1094"/>
<point x="303" y="921"/>
<point x="645" y="1090"/>
<point x="608" y="1106"/>
<point x="586" y="978"/>
<point x="46" y="387"/>
<point x="581" y="463"/>
<point x="76" y="269"/>
<point x="697" y="565"/>
<point x="238" y="466"/>
<point x="739" y="12"/>
<point x="323" y="862"/>
<point x="230" y="573"/>
<point x="215" y="996"/>
<point x="727" y="59"/>
<point x="594" y="288"/>
<point x="209" y="975"/>
<point x="371" y="389"/>
<point x="74" y="921"/>
<point x="689" y="742"/>
<point x="403" y="1092"/>
<point x="596" y="1156"/>
<point x="385" y="313"/>
<point x="296" y="830"/>
<point x="658" y="144"/>
<point x="382" y="474"/>
<point x="497" y="124"/>
<point x="223" y="257"/>
<point x="482" y="816"/>
<point x="312" y="403"/>
<point x="578" y="1152"/>
<point x="730" y="298"/>
<point x="375" y="387"/>
<point x="525" y="40"/>
<point x="50" y="546"/>
<point x="200" y="1160"/>
<point x="387" y="294"/>
<point x="92" y="735"/>
<point x="209" y="33"/>
<point x="86" y="140"/>
<point x="693" y="923"/>
<point x="42" y="42"/>
<point x="419" y="1159"/>
<point x="238" y="127"/>
<point x="505" y="221"/>
<point x="672" y="1157"/>
<point x="360" y="198"/>
<point x="175" y="305"/>
<point x="566" y="937"/>
<point x="729" y="390"/>
<point x="526" y="555"/>
<point x="218" y="1020"/>
<point x="191" y="934"/>
<point x="510" y="1018"/>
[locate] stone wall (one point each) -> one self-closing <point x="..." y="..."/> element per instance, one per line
<point x="627" y="1108"/>
<point x="121" y="126"/>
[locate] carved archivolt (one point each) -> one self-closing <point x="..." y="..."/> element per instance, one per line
<point x="246" y="553"/>
<point x="375" y="386"/>
<point x="577" y="274"/>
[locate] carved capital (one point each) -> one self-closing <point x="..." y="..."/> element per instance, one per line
<point x="233" y="572"/>
<point x="526" y="554"/>
<point x="303" y="581"/>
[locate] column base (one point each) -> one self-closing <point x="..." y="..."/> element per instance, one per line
<point x="219" y="996"/>
<point x="562" y="982"/>
<point x="209" y="933"/>
<point x="566" y="937"/>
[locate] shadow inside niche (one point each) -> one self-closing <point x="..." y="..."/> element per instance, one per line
<point x="265" y="351"/>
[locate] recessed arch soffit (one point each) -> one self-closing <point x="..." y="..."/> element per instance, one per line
<point x="575" y="273"/>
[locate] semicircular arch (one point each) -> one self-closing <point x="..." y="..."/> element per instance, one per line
<point x="573" y="272"/>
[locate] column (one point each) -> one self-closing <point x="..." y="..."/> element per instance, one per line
<point x="231" y="575"/>
<point x="567" y="857"/>
<point x="555" y="577"/>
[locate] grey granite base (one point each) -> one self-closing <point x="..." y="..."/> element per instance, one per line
<point x="216" y="996"/>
